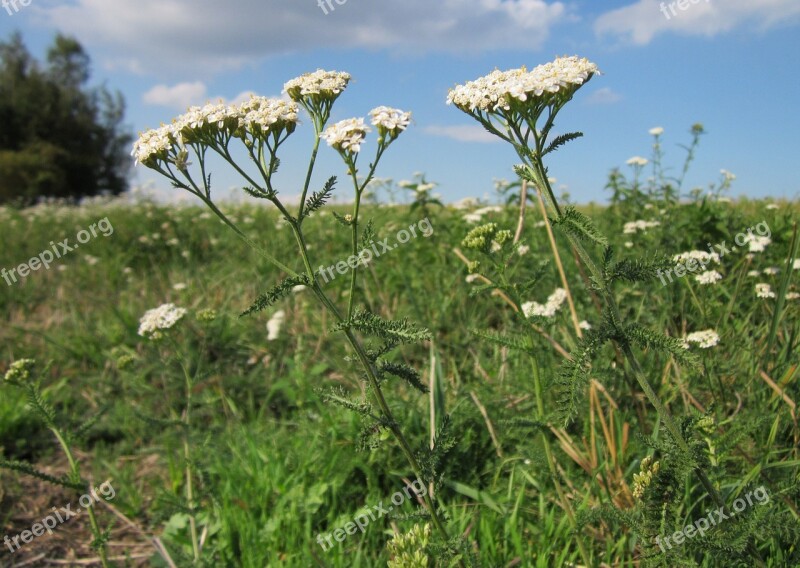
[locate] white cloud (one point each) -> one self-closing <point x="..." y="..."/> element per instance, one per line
<point x="603" y="96"/>
<point x="191" y="35"/>
<point x="462" y="133"/>
<point x="641" y="21"/>
<point x="179" y="96"/>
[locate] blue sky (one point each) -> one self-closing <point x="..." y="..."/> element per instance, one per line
<point x="732" y="65"/>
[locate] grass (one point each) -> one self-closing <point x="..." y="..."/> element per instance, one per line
<point x="277" y="466"/>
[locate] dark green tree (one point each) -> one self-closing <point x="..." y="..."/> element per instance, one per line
<point x="58" y="136"/>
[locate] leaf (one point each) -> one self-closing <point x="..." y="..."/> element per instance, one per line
<point x="515" y="342"/>
<point x="400" y="331"/>
<point x="560" y="141"/>
<point x="579" y="225"/>
<point x="277" y="292"/>
<point x="26" y="468"/>
<point x="649" y="339"/>
<point x="405" y="372"/>
<point x="318" y="198"/>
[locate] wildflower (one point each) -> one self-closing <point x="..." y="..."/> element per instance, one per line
<point x="320" y="84"/>
<point x="298" y="288"/>
<point x="754" y="273"/>
<point x="729" y="177"/>
<point x="499" y="90"/>
<point x="585" y="325"/>
<point x="764" y="291"/>
<point x="637" y="161"/>
<point x="19" y="371"/>
<point x="773" y="206"/>
<point x="796" y="264"/>
<point x="700" y="256"/>
<point x="704" y="339"/>
<point x="275" y="324"/>
<point x="207" y="315"/>
<point x="408" y="550"/>
<point x="347" y="135"/>
<point x="643" y="479"/>
<point x="657" y="131"/>
<point x="771" y="270"/>
<point x="709" y="277"/>
<point x="470" y="278"/>
<point x="628" y="244"/>
<point x="792" y="295"/>
<point x="548" y="310"/>
<point x="640" y="225"/>
<point x="756" y="243"/>
<point x="161" y="318"/>
<point x="391" y="121"/>
<point x="522" y="250"/>
<point x="178" y="286"/>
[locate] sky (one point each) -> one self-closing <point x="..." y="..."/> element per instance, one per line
<point x="731" y="65"/>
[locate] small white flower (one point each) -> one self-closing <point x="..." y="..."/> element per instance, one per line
<point x="161" y="318"/>
<point x="792" y="295"/>
<point x="756" y="243"/>
<point x="771" y="271"/>
<point x="773" y="206"/>
<point x="179" y="286"/>
<point x="709" y="277"/>
<point x="548" y="310"/>
<point x="471" y="278"/>
<point x="628" y="244"/>
<point x="346" y="135"/>
<point x="390" y="120"/>
<point x="657" y="131"/>
<point x="796" y="264"/>
<point x="754" y="274"/>
<point x="637" y="161"/>
<point x="727" y="175"/>
<point x="704" y="339"/>
<point x="275" y="324"/>
<point x="320" y="83"/>
<point x="585" y="325"/>
<point x="91" y="260"/>
<point x="764" y="290"/>
<point x="632" y="227"/>
<point x="522" y="250"/>
<point x="298" y="288"/>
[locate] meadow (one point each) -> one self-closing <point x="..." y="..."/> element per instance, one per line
<point x="333" y="381"/>
<point x="275" y="465"/>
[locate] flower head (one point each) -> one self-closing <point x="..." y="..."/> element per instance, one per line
<point x="321" y="84"/>
<point x="709" y="277"/>
<point x="657" y="131"/>
<point x="390" y="121"/>
<point x="704" y="339"/>
<point x="19" y="371"/>
<point x="764" y="291"/>
<point x="548" y="310"/>
<point x="346" y="135"/>
<point x="275" y="324"/>
<point x="637" y="161"/>
<point x="158" y="319"/>
<point x="520" y="87"/>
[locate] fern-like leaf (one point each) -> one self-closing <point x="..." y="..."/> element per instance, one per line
<point x="275" y="293"/>
<point x="318" y="198"/>
<point x="579" y="225"/>
<point x="560" y="141"/>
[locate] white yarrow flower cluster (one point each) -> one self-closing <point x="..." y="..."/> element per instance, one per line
<point x="275" y="324"/>
<point x="158" y="319"/>
<point x="657" y="131"/>
<point x="637" y="161"/>
<point x="501" y="89"/>
<point x="709" y="277"/>
<point x="346" y="135"/>
<point x="701" y="256"/>
<point x="634" y="226"/>
<point x="764" y="290"/>
<point x="756" y="243"/>
<point x="704" y="339"/>
<point x="477" y="215"/>
<point x="256" y="117"/>
<point x="548" y="310"/>
<point x="390" y="120"/>
<point x="320" y="83"/>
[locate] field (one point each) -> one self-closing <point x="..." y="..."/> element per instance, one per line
<point x="275" y="464"/>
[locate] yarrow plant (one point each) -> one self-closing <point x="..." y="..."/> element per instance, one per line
<point x="179" y="151"/>
<point x="520" y="107"/>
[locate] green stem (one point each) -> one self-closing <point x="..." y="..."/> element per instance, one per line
<point x="73" y="464"/>
<point x="552" y="465"/>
